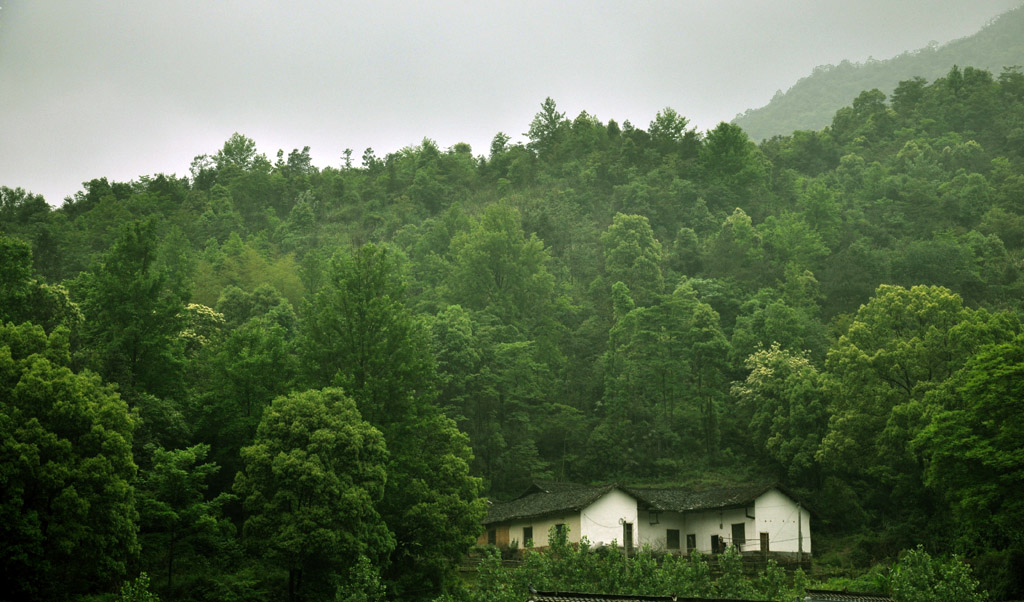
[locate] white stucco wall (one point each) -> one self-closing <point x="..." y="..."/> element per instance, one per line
<point x="541" y="527"/>
<point x="774" y="513"/>
<point x="655" y="535"/>
<point x="777" y="515"/>
<point x="601" y="521"/>
<point x="702" y="524"/>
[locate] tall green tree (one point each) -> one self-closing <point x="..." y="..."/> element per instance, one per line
<point x="789" y="242"/>
<point x="498" y="268"/>
<point x="24" y="299"/>
<point x="919" y="577"/>
<point x="547" y="129"/>
<point x="360" y="334"/>
<point x="66" y="468"/>
<point x="632" y="255"/>
<point x="736" y="251"/>
<point x="734" y="167"/>
<point x="16" y="276"/>
<point x="27" y="216"/>
<point x="133" y="316"/>
<point x="972" y="446"/>
<point x="501" y="272"/>
<point x="665" y="383"/>
<point x="238" y="154"/>
<point x="900" y="346"/>
<point x="668" y="127"/>
<point x="787" y="316"/>
<point x="312" y="480"/>
<point x="244" y="371"/>
<point x="180" y="526"/>
<point x="787" y="405"/>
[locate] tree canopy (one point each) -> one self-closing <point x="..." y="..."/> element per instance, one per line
<point x="837" y="310"/>
<point x="67" y="472"/>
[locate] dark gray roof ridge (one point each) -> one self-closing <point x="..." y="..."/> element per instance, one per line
<point x="556" y="596"/>
<point x="545" y="498"/>
<point x="678" y="499"/>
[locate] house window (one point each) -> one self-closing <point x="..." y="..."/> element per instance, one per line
<point x="560" y="533"/>
<point x="627" y="535"/>
<point x="739" y="535"/>
<point x="492" y="537"/>
<point x="691" y="542"/>
<point x="764" y="543"/>
<point x="672" y="539"/>
<point x="527" y="537"/>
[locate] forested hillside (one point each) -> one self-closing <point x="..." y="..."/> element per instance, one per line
<point x="265" y="378"/>
<point x="811" y="102"/>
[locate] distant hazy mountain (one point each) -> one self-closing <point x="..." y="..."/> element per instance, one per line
<point x="811" y="103"/>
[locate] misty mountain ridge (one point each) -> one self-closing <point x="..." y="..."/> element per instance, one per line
<point x="813" y="100"/>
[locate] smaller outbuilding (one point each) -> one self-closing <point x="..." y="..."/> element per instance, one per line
<point x="601" y="513"/>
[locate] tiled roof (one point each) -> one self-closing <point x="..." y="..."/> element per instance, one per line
<point x="580" y="597"/>
<point x="824" y="595"/>
<point x="682" y="500"/>
<point x="545" y="498"/>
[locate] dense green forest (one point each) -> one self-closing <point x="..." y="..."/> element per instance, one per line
<point x="810" y="103"/>
<point x="267" y="380"/>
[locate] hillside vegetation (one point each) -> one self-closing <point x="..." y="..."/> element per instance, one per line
<point x="267" y="379"/>
<point x="811" y="102"/>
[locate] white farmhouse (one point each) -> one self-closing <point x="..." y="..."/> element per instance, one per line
<point x="762" y="518"/>
<point x="602" y="514"/>
<point x="757" y="518"/>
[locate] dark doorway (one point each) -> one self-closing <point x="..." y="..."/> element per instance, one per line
<point x="739" y="535"/>
<point x="672" y="539"/>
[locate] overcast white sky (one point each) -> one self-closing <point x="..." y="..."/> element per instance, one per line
<point x="119" y="88"/>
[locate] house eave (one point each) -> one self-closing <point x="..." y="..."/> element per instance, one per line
<point x="522" y="517"/>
